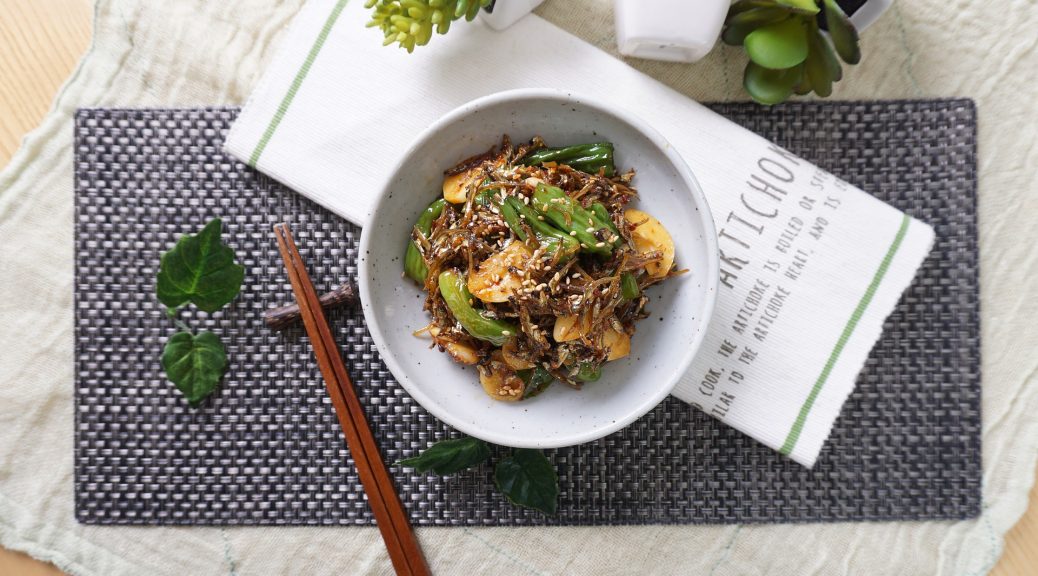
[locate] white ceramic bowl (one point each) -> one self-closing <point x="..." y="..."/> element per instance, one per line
<point x="664" y="344"/>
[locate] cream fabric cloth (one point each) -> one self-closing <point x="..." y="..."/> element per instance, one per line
<point x="190" y="53"/>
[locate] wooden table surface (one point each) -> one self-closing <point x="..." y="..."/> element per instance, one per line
<point x="40" y="43"/>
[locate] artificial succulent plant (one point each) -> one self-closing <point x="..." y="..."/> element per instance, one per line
<point x="789" y="53"/>
<point x="411" y="23"/>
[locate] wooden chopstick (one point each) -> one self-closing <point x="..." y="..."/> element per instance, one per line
<point x="385" y="504"/>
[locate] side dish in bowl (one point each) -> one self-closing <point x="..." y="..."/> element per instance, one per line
<point x="535" y="266"/>
<point x="486" y="264"/>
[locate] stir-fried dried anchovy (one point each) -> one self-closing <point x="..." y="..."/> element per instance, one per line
<point x="548" y="280"/>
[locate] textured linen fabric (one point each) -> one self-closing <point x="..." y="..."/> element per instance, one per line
<point x="198" y="53"/>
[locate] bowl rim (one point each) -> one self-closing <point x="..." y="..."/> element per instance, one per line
<point x="711" y="276"/>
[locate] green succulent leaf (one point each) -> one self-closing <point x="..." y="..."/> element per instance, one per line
<point x="816" y="67"/>
<point x="843" y="33"/>
<point x="460" y="8"/>
<point x="740" y="25"/>
<point x="411" y="23"/>
<point x="744" y="5"/>
<point x="802" y="86"/>
<point x="472" y="11"/>
<point x="809" y="7"/>
<point x="831" y="61"/>
<point x="778" y="46"/>
<point x="200" y="269"/>
<point x="768" y="86"/>
<point x="194" y="363"/>
<point x="449" y="456"/>
<point x="528" y="479"/>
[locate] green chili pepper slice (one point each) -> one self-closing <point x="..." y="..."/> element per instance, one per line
<point x="629" y="286"/>
<point x="602" y="218"/>
<point x="516" y="213"/>
<point x="584" y="157"/>
<point x="459" y="300"/>
<point x="567" y="214"/>
<point x="536" y="380"/>
<point x="414" y="264"/>
<point x="588" y="372"/>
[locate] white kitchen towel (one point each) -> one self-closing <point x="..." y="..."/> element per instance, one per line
<point x="810" y="266"/>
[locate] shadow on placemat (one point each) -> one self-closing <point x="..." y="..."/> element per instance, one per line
<point x="267" y="448"/>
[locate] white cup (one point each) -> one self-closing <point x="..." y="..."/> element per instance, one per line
<point x="672" y="30"/>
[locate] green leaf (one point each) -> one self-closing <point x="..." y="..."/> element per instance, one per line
<point x="808" y="7"/>
<point x="200" y="269"/>
<point x="803" y="84"/>
<point x="738" y="26"/>
<point x="744" y="5"/>
<point x="194" y="364"/>
<point x="769" y="86"/>
<point x="831" y="61"/>
<point x="460" y="8"/>
<point x="449" y="456"/>
<point x="843" y="33"/>
<point x="756" y="14"/>
<point x="528" y="479"/>
<point x="778" y="46"/>
<point x="816" y="68"/>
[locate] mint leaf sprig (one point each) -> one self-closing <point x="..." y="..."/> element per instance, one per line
<point x="200" y="270"/>
<point x="525" y="476"/>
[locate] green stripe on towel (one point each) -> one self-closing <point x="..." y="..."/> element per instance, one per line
<point x="798" y="426"/>
<point x="296" y="83"/>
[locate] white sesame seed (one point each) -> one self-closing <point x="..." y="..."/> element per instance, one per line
<point x="589" y="229"/>
<point x="573" y="233"/>
<point x="600" y="244"/>
<point x="506" y="332"/>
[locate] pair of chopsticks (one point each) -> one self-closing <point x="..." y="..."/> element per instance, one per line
<point x="378" y="485"/>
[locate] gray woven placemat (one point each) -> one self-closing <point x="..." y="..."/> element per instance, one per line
<point x="267" y="448"/>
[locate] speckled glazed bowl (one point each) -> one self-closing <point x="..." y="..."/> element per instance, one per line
<point x="664" y="344"/>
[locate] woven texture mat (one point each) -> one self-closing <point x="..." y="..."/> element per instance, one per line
<point x="267" y="448"/>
